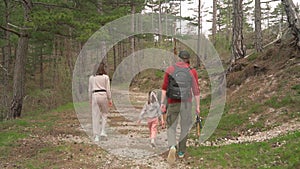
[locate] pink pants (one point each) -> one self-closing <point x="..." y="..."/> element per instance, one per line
<point x="152" y="125"/>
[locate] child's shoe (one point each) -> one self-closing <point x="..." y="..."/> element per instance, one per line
<point x="153" y="142"/>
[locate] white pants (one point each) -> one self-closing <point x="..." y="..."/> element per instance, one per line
<point x="99" y="108"/>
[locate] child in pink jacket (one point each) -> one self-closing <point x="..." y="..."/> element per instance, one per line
<point x="151" y="112"/>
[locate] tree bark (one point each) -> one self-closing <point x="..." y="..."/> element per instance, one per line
<point x="159" y="22"/>
<point x="132" y="39"/>
<point x="228" y="23"/>
<point x="293" y="19"/>
<point x="214" y="22"/>
<point x="100" y="7"/>
<point x="6" y="60"/>
<point x="115" y="57"/>
<point x="237" y="35"/>
<point x="19" y="70"/>
<point x="19" y="77"/>
<point x="199" y="34"/>
<point x="258" y="32"/>
<point x="41" y="69"/>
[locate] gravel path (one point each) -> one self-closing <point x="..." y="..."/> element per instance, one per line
<point x="128" y="142"/>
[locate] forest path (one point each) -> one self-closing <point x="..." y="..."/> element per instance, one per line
<point x="57" y="139"/>
<point x="129" y="131"/>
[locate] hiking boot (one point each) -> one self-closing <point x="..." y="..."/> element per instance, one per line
<point x="97" y="139"/>
<point x="171" y="157"/>
<point x="181" y="154"/>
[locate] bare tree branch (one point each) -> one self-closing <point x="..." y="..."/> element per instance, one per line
<point x="3" y="68"/>
<point x="10" y="30"/>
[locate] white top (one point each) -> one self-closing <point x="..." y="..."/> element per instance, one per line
<point x="99" y="82"/>
<point x="151" y="110"/>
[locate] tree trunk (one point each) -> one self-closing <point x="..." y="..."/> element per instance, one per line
<point x="132" y="38"/>
<point x="132" y="26"/>
<point x="237" y="35"/>
<point x="258" y="32"/>
<point x="19" y="77"/>
<point x="19" y="70"/>
<point x="199" y="34"/>
<point x="41" y="69"/>
<point x="214" y="22"/>
<point x="159" y="22"/>
<point x="6" y="60"/>
<point x="115" y="57"/>
<point x="100" y="7"/>
<point x="293" y="19"/>
<point x="68" y="54"/>
<point x="103" y="52"/>
<point x="228" y="24"/>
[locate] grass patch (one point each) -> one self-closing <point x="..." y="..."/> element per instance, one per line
<point x="275" y="102"/>
<point x="256" y="108"/>
<point x="159" y="74"/>
<point x="276" y="153"/>
<point x="230" y="121"/>
<point x="7" y="138"/>
<point x="48" y="154"/>
<point x="252" y="57"/>
<point x="66" y="107"/>
<point x="296" y="88"/>
<point x="228" y="124"/>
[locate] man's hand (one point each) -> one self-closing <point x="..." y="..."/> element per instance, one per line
<point x="197" y="111"/>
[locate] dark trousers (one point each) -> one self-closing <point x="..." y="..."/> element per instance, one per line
<point x="179" y="112"/>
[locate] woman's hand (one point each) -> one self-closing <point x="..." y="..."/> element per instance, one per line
<point x="110" y="103"/>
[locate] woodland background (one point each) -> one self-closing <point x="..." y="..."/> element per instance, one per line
<point x="259" y="47"/>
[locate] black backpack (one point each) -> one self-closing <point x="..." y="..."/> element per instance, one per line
<point x="180" y="83"/>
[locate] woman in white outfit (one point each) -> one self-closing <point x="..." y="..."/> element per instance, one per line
<point x="100" y="99"/>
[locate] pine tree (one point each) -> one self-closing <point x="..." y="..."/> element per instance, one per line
<point x="258" y="31"/>
<point x="238" y="50"/>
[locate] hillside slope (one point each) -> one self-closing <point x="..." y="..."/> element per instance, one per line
<point x="264" y="91"/>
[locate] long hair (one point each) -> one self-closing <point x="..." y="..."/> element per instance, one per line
<point x="101" y="69"/>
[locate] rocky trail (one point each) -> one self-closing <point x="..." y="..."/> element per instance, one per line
<point x="127" y="144"/>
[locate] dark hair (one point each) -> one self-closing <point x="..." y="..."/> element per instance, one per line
<point x="101" y="69"/>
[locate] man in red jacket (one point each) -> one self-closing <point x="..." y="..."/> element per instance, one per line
<point x="181" y="107"/>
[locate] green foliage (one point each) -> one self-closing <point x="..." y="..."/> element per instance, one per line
<point x="296" y="88"/>
<point x="275" y="102"/>
<point x="256" y="108"/>
<point x="159" y="74"/>
<point x="7" y="138"/>
<point x="66" y="107"/>
<point x="277" y="153"/>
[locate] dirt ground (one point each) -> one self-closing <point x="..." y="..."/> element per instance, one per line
<point x="67" y="145"/>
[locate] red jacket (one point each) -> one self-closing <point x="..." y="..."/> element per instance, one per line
<point x="195" y="85"/>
